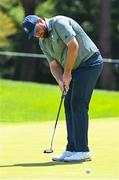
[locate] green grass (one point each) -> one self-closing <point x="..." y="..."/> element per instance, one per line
<point x="22" y="157"/>
<point x="26" y="102"/>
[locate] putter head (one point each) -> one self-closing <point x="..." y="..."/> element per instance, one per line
<point x="48" y="151"/>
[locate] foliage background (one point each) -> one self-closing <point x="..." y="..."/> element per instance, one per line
<point x="99" y="19"/>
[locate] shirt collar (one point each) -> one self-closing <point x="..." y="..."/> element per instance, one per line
<point x="48" y="23"/>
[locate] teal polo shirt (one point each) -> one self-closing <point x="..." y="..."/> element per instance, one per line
<point x="61" y="31"/>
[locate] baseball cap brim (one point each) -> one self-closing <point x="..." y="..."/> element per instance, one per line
<point x="32" y="33"/>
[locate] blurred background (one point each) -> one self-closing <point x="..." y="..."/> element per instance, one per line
<point x="99" y="18"/>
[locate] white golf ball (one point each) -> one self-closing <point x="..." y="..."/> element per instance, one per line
<point x="88" y="170"/>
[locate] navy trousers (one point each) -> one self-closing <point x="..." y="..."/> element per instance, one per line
<point x="77" y="101"/>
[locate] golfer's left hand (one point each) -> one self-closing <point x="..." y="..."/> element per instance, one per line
<point x="66" y="81"/>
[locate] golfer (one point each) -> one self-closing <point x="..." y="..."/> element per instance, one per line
<point x="76" y="63"/>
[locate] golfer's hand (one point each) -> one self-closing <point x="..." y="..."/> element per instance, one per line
<point x="60" y="83"/>
<point x="62" y="88"/>
<point x="66" y="81"/>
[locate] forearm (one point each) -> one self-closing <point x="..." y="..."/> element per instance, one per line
<point x="56" y="71"/>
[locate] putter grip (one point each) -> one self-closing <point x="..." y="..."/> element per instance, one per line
<point x="63" y="95"/>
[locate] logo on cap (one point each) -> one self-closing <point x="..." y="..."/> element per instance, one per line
<point x="26" y="30"/>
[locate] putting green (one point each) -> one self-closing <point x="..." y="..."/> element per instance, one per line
<point x="22" y="158"/>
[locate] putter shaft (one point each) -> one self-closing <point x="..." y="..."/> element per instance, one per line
<point x="62" y="97"/>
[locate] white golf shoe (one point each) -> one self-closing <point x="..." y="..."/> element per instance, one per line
<point x="62" y="156"/>
<point x="78" y="156"/>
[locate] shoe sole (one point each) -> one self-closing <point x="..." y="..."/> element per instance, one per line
<point x="80" y="161"/>
<point x="58" y="159"/>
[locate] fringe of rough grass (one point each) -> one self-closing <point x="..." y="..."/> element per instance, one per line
<point x="33" y="102"/>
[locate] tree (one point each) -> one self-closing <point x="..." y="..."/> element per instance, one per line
<point x="7" y="29"/>
<point x="115" y="29"/>
<point x="107" y="79"/>
<point x="7" y="25"/>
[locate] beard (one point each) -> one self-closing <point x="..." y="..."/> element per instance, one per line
<point x="46" y="33"/>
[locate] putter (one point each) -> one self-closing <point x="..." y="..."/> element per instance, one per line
<point x="50" y="150"/>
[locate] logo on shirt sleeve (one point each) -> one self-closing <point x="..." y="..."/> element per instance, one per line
<point x="66" y="36"/>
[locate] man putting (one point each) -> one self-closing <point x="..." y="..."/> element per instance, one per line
<point x="76" y="63"/>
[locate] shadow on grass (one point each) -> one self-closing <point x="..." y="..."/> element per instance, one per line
<point x="54" y="163"/>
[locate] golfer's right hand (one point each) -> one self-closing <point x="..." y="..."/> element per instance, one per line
<point x="63" y="89"/>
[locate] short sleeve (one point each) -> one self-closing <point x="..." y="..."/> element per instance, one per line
<point x="64" y="30"/>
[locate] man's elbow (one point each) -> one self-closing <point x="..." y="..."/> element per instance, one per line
<point x="73" y="45"/>
<point x="53" y="64"/>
